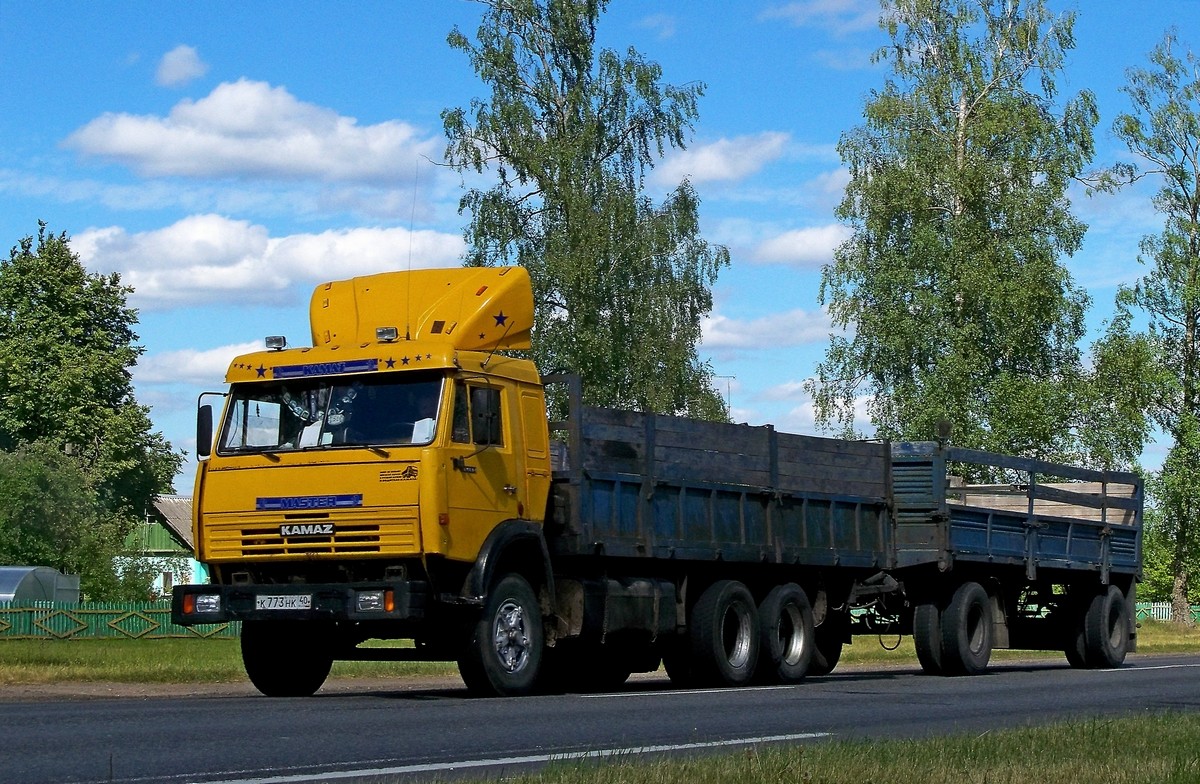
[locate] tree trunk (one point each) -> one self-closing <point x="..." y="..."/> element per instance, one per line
<point x="1181" y="608"/>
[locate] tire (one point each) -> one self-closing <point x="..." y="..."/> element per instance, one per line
<point x="828" y="639"/>
<point x="785" y="621"/>
<point x="967" y="631"/>
<point x="1076" y="647"/>
<point x="1069" y="619"/>
<point x="724" y="635"/>
<point x="1106" y="629"/>
<point x="504" y="653"/>
<point x="287" y="658"/>
<point x="927" y="637"/>
<point x="677" y="661"/>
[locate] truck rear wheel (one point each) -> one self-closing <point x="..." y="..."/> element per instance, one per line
<point x="725" y="634"/>
<point x="967" y="631"/>
<point x="1106" y="629"/>
<point x="927" y="637"/>
<point x="287" y="658"/>
<point x="828" y="639"/>
<point x="786" y="621"/>
<point x="505" y="649"/>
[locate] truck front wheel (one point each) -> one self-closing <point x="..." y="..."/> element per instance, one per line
<point x="287" y="658"/>
<point x="505" y="650"/>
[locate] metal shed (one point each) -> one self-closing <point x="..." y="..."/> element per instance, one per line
<point x="37" y="584"/>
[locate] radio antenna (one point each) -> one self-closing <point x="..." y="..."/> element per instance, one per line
<point x="412" y="219"/>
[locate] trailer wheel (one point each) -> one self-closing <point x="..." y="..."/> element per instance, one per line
<point x="828" y="639"/>
<point x="504" y="653"/>
<point x="967" y="631"/>
<point x="1106" y="629"/>
<point x="1069" y="619"/>
<point x="287" y="658"/>
<point x="725" y="634"/>
<point x="786" y="621"/>
<point x="927" y="637"/>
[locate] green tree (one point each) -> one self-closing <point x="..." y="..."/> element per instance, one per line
<point x="949" y="288"/>
<point x="66" y="349"/>
<point x="620" y="282"/>
<point x="1163" y="132"/>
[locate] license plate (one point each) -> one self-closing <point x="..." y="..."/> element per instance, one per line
<point x="291" y="602"/>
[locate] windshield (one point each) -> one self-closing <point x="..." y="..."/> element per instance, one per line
<point x="394" y="409"/>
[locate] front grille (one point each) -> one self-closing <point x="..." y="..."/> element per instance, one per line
<point x="354" y="535"/>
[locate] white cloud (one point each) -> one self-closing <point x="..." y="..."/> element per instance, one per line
<point x="662" y="24"/>
<point x="725" y="159"/>
<point x="838" y="16"/>
<point x="777" y="330"/>
<point x="210" y="258"/>
<point x="801" y="417"/>
<point x="251" y="129"/>
<point x="180" y="66"/>
<point x="803" y="247"/>
<point x="190" y="366"/>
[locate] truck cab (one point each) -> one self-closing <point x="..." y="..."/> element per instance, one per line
<point x="347" y="487"/>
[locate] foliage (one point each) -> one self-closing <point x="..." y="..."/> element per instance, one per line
<point x="620" y="282"/>
<point x="950" y="287"/>
<point x="48" y="515"/>
<point x="1163" y="131"/>
<point x="68" y="416"/>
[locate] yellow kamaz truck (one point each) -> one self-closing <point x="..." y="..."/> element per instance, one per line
<point x="399" y="479"/>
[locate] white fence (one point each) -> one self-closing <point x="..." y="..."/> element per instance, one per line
<point x="1161" y="611"/>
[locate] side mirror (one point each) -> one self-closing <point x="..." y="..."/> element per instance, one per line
<point x="204" y="430"/>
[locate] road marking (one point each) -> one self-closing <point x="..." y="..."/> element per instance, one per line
<point x="1138" y="668"/>
<point x="522" y="760"/>
<point x="683" y="692"/>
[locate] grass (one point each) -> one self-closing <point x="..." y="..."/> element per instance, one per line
<point x="191" y="660"/>
<point x="1148" y="749"/>
<point x="196" y="660"/>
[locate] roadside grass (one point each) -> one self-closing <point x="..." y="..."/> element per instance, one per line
<point x="184" y="660"/>
<point x="197" y="660"/>
<point x="1146" y="749"/>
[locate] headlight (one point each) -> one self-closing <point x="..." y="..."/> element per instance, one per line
<point x="370" y="601"/>
<point x="202" y="603"/>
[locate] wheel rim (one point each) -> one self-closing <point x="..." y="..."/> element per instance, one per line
<point x="511" y="637"/>
<point x="736" y="631"/>
<point x="791" y="635"/>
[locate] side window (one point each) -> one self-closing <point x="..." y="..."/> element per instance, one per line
<point x="461" y="431"/>
<point x="477" y="416"/>
<point x="486" y="427"/>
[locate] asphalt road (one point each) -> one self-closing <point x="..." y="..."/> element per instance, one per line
<point x="440" y="733"/>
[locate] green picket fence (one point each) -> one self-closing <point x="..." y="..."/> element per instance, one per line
<point x="89" y="620"/>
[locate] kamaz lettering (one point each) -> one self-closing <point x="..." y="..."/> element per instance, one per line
<point x="307" y="529"/>
<point x="326" y="369"/>
<point x="289" y="503"/>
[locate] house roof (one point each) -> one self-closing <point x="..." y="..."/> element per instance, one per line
<point x="176" y="511"/>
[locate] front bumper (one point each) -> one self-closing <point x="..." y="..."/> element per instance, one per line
<point x="375" y="601"/>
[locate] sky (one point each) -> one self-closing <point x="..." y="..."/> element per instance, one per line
<point x="225" y="158"/>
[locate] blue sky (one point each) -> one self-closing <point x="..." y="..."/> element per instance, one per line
<point x="227" y="157"/>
